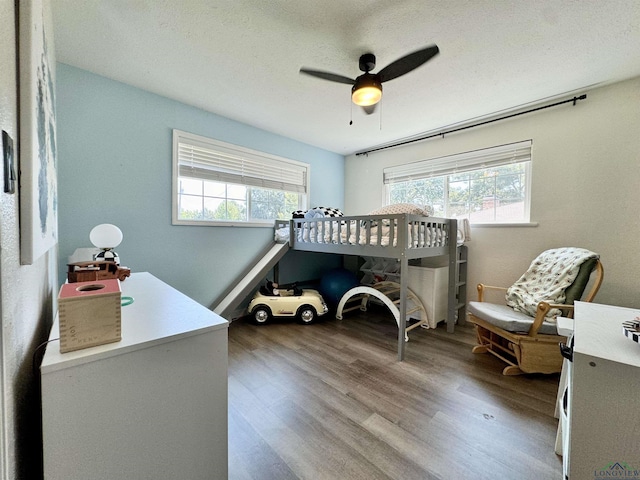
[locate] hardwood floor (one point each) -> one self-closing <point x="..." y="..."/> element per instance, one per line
<point x="330" y="401"/>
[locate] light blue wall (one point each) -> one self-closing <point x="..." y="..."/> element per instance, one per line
<point x="114" y="154"/>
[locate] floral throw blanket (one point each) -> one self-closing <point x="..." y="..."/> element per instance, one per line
<point x="547" y="278"/>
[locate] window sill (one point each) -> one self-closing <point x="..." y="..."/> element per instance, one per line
<point x="508" y="225"/>
<point x="222" y="224"/>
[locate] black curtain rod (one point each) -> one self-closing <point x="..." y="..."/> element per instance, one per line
<point x="442" y="134"/>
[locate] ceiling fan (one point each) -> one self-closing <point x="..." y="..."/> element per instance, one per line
<point x="366" y="90"/>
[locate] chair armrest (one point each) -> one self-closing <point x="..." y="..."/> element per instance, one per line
<point x="482" y="287"/>
<point x="561" y="306"/>
<point x="541" y="313"/>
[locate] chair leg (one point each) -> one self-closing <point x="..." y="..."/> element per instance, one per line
<point x="512" y="370"/>
<point x="479" y="349"/>
<point x="488" y="342"/>
<point x="483" y="346"/>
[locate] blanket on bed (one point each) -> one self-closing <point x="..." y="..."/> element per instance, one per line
<point x="547" y="278"/>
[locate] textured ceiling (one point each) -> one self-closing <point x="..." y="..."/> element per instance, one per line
<point x="240" y="58"/>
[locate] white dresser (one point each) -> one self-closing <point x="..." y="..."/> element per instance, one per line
<point x="600" y="411"/>
<point x="152" y="406"/>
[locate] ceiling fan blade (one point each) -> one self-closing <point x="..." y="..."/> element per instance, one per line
<point x="332" y="77"/>
<point x="369" y="109"/>
<point x="407" y="63"/>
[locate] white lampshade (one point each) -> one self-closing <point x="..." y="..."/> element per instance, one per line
<point x="106" y="236"/>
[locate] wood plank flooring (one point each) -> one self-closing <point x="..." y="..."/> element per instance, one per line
<point x="330" y="401"/>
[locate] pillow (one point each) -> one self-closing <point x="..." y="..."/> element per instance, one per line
<point x="398" y="208"/>
<point x="314" y="213"/>
<point x="329" y="212"/>
<point x="318" y="212"/>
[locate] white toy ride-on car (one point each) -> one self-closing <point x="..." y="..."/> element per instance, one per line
<point x="294" y="302"/>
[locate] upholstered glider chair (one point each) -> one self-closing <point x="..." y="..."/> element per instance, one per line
<point x="523" y="332"/>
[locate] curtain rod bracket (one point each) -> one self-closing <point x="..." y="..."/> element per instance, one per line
<point x="581" y="97"/>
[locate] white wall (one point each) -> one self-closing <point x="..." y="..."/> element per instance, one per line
<point x="26" y="297"/>
<point x="585" y="188"/>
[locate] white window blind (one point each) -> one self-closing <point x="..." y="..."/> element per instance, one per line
<point x="207" y="159"/>
<point x="458" y="163"/>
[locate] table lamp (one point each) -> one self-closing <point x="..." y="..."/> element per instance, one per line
<point x="106" y="237"/>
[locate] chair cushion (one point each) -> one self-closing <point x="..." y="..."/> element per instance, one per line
<point x="507" y="318"/>
<point x="574" y="291"/>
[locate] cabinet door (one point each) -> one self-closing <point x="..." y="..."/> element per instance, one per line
<point x="604" y="417"/>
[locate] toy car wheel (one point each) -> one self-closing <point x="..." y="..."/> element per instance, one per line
<point x="307" y="314"/>
<point x="261" y="314"/>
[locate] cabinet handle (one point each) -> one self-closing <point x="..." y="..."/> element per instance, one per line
<point x="566" y="352"/>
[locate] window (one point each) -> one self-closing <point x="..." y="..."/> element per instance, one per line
<point x="486" y="186"/>
<point x="217" y="183"/>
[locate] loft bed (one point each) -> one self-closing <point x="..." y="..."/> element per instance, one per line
<point x="399" y="236"/>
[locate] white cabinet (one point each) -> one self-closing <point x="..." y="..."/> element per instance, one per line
<point x="431" y="286"/>
<point x="602" y="434"/>
<point x="153" y="405"/>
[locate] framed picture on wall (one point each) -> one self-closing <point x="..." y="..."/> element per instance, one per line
<point x="37" y="145"/>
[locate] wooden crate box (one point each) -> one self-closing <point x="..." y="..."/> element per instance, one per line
<point x="89" y="314"/>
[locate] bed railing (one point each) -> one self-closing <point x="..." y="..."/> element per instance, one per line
<point x="401" y="236"/>
<point x="401" y="231"/>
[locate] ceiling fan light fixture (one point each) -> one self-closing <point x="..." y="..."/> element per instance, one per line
<point x="366" y="91"/>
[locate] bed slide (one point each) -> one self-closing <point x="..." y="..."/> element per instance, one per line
<point x="249" y="279"/>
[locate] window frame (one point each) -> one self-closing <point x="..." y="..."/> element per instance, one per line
<point x="475" y="160"/>
<point x="255" y="157"/>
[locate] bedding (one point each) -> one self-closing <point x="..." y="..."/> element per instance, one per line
<point x="546" y="280"/>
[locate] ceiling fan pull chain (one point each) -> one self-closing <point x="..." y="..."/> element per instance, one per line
<point x="351" y="112"/>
